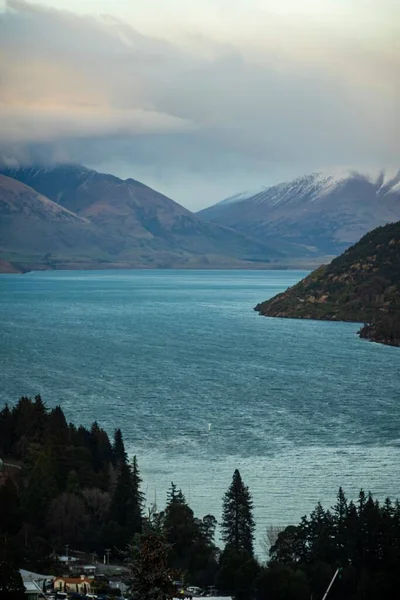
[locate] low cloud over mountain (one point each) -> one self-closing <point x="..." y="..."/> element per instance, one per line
<point x="195" y="111"/>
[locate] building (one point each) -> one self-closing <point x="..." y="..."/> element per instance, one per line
<point x="89" y="570"/>
<point x="80" y="585"/>
<point x="32" y="592"/>
<point x="34" y="584"/>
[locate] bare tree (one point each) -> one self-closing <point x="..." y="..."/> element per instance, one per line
<point x="67" y="518"/>
<point x="97" y="503"/>
<point x="270" y="537"/>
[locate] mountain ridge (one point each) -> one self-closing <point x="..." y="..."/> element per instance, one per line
<point x="129" y="224"/>
<point x="316" y="214"/>
<point x="361" y="285"/>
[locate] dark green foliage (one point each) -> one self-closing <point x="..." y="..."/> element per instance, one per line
<point x="237" y="573"/>
<point x="6" y="431"/>
<point x="361" y="285"/>
<point x="67" y="476"/>
<point x="120" y="456"/>
<point x="237" y="517"/>
<point x="85" y="493"/>
<point x="191" y="547"/>
<point x="127" y="502"/>
<point x="279" y="582"/>
<point x="237" y="567"/>
<point x="10" y="511"/>
<point x="364" y="540"/>
<point x="11" y="585"/>
<point x="150" y="576"/>
<point x="208" y="526"/>
<point x="137" y="499"/>
<point x="41" y="488"/>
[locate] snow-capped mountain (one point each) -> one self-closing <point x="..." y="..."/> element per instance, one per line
<point x="316" y="214"/>
<point x="70" y="216"/>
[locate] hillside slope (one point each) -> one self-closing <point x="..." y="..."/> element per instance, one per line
<point x="32" y="226"/>
<point x="363" y="285"/>
<point x="316" y="214"/>
<point x="145" y="227"/>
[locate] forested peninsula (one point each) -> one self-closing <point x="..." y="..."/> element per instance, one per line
<point x="66" y="486"/>
<point x="362" y="285"/>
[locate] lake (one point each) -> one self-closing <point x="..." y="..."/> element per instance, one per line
<point x="200" y="384"/>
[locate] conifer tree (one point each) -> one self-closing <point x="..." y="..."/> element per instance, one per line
<point x="121" y="500"/>
<point x="237" y="517"/>
<point x="119" y="453"/>
<point x="57" y="429"/>
<point x="339" y="515"/>
<point x="150" y="576"/>
<point x="127" y="501"/>
<point x="137" y="499"/>
<point x="6" y="430"/>
<point x="39" y="418"/>
<point x="172" y="494"/>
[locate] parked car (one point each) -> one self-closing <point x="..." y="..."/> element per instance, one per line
<point x="193" y="589"/>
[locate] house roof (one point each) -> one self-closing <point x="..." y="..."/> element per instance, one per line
<point x="30" y="576"/>
<point x="31" y="587"/>
<point x="74" y="580"/>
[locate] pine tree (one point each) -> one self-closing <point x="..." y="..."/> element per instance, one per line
<point x="120" y="504"/>
<point x="119" y="453"/>
<point x="172" y="494"/>
<point x="57" y="429"/>
<point x="137" y="499"/>
<point x="6" y="430"/>
<point x="150" y="576"/>
<point x="127" y="501"/>
<point x="237" y="517"/>
<point x="39" y="418"/>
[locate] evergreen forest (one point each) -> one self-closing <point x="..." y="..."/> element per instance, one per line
<point x="66" y="485"/>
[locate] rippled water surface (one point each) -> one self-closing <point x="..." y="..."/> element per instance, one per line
<point x="299" y="406"/>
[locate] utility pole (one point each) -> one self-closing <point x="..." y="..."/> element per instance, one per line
<point x="331" y="583"/>
<point x="108" y="556"/>
<point x="66" y="550"/>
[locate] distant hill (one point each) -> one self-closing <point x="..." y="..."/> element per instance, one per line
<point x="361" y="285"/>
<point x="110" y="222"/>
<point x="32" y="227"/>
<point x="317" y="214"/>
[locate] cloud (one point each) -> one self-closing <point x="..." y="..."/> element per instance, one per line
<point x="216" y="110"/>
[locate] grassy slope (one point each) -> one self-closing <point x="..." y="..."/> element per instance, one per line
<point x="363" y="285"/>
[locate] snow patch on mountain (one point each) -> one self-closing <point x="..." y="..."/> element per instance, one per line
<point x="315" y="187"/>
<point x="243" y="196"/>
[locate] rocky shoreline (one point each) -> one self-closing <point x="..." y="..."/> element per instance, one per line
<point x="361" y="286"/>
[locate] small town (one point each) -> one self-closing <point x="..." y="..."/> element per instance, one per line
<point x="98" y="581"/>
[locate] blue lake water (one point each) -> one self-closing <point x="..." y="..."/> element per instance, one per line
<point x="300" y="407"/>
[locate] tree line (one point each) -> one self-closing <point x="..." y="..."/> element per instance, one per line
<point x="75" y="486"/>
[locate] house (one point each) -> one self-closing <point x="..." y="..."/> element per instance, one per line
<point x="89" y="570"/>
<point x="66" y="560"/>
<point x="32" y="591"/>
<point x="34" y="584"/>
<point x="80" y="585"/>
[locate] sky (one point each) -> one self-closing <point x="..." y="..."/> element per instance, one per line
<point x="201" y="99"/>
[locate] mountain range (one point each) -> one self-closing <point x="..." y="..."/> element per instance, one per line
<point x="314" y="215"/>
<point x="69" y="216"/>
